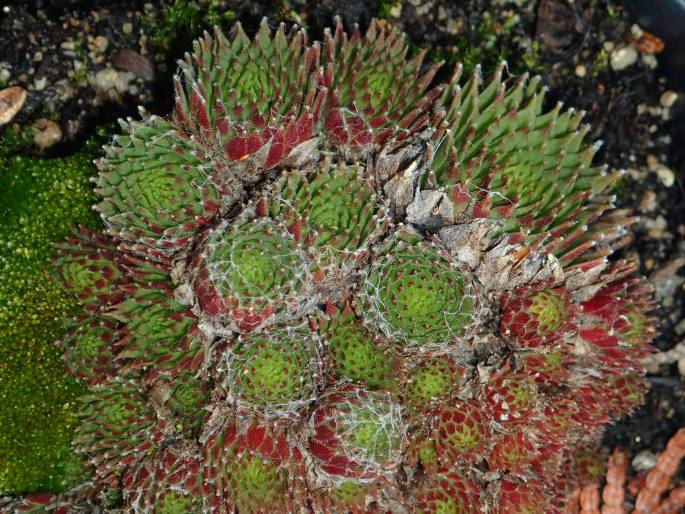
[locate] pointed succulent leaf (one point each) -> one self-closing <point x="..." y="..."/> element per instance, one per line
<point x="515" y="453"/>
<point x="536" y="317"/>
<point x="43" y="503"/>
<point x="90" y="347"/>
<point x="500" y="156"/>
<point x="424" y="451"/>
<point x="448" y="493"/>
<point x="523" y="498"/>
<point x="619" y="324"/>
<point x="355" y="352"/>
<point x="590" y="409"/>
<point x="585" y="464"/>
<point x="188" y="396"/>
<point x="337" y="207"/>
<point x="169" y="482"/>
<point x="159" y="333"/>
<point x="626" y="393"/>
<point x="248" y="99"/>
<point x="251" y="469"/>
<point x="432" y="381"/>
<point x="550" y="367"/>
<point x="511" y="398"/>
<point x="350" y="496"/>
<point x="460" y="430"/>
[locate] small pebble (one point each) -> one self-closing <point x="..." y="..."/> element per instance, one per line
<point x="100" y="43"/>
<point x="454" y="26"/>
<point x="581" y="71"/>
<point x="644" y="460"/>
<point x="122" y="81"/>
<point x="652" y="162"/>
<point x="656" y="227"/>
<point x="623" y="57"/>
<point x="668" y="98"/>
<point x="39" y="84"/>
<point x="681" y="367"/>
<point x="11" y="101"/>
<point x="396" y="10"/>
<point x="127" y="27"/>
<point x="665" y="174"/>
<point x="46" y="133"/>
<point x="140" y="66"/>
<point x="104" y="79"/>
<point x="650" y="60"/>
<point x="648" y="202"/>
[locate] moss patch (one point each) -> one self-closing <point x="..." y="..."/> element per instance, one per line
<point x="40" y="199"/>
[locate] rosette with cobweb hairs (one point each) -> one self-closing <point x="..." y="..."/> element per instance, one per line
<point x="330" y="284"/>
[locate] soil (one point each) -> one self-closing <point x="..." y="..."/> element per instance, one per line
<point x="579" y="48"/>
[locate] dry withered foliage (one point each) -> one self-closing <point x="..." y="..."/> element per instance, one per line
<point x="650" y="489"/>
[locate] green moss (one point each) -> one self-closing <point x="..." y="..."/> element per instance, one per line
<point x="176" y="23"/>
<point x="13" y="140"/>
<point x="385" y="7"/>
<point x="40" y="199"/>
<point x="488" y="42"/>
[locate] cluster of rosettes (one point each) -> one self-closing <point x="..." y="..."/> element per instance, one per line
<point x="329" y="285"/>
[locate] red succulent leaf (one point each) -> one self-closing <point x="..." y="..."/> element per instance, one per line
<point x="460" y="430"/>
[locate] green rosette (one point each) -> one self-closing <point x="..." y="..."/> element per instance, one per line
<point x="333" y="207"/>
<point x="87" y="267"/>
<point x="156" y="188"/>
<point x="249" y="271"/>
<point x="377" y="94"/>
<point x="415" y="295"/>
<point x="159" y="335"/>
<point x="274" y="371"/>
<point x="114" y="432"/>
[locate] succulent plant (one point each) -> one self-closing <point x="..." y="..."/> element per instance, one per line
<point x="330" y="284"/>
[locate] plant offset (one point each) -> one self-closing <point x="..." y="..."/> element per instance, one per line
<point x="329" y="284"/>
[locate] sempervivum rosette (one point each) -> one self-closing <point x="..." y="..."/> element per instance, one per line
<point x="329" y="285"/>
